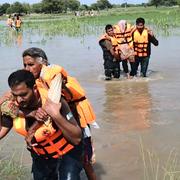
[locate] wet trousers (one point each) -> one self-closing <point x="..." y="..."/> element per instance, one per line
<point x="65" y="168"/>
<point x="144" y="62"/>
<point x="111" y="68"/>
<point x="126" y="69"/>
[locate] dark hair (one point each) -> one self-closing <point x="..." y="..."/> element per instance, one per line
<point x="108" y="26"/>
<point x="140" y="20"/>
<point x="35" y="52"/>
<point x="20" y="76"/>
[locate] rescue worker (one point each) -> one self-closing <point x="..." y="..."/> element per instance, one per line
<point x="110" y="56"/>
<point x="57" y="156"/>
<point x="18" y="23"/>
<point x="35" y="61"/>
<point x="123" y="34"/>
<point x="142" y="39"/>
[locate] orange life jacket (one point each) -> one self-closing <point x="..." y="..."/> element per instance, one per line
<point x="123" y="37"/>
<point x="83" y="106"/>
<point x="51" y="142"/>
<point x="113" y="41"/>
<point x="140" y="43"/>
<point x="18" y="23"/>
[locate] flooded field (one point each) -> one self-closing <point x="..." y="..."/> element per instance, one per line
<point x="139" y="118"/>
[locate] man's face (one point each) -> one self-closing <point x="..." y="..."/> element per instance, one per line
<point x="110" y="32"/>
<point x="24" y="96"/>
<point x="31" y="64"/>
<point x="140" y="26"/>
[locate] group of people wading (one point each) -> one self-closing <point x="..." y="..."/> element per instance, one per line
<point x="14" y="22"/>
<point x="50" y="109"/>
<point x="127" y="44"/>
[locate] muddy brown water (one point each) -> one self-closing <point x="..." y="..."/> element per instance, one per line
<point x="127" y="111"/>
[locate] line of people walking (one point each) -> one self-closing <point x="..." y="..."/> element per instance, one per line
<point x="14" y="22"/>
<point x="128" y="44"/>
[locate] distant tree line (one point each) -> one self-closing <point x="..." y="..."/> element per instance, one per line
<point x="164" y="2"/>
<point x="59" y="6"/>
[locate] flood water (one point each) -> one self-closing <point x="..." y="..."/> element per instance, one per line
<point x="131" y="113"/>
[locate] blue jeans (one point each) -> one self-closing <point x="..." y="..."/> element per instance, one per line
<point x="65" y="168"/>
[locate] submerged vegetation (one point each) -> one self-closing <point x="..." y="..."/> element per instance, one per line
<point x="11" y="166"/>
<point x="9" y="170"/>
<point x="156" y="169"/>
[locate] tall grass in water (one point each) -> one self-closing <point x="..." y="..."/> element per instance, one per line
<point x="163" y="19"/>
<point x="155" y="169"/>
<point x="10" y="169"/>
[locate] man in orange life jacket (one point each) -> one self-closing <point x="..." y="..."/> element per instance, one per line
<point x="18" y="23"/>
<point x="36" y="61"/>
<point x="55" y="157"/>
<point x="142" y="39"/>
<point x="111" y="59"/>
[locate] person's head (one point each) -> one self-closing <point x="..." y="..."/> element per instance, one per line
<point x="33" y="59"/>
<point x="23" y="88"/>
<point x="140" y="23"/>
<point x="122" y="25"/>
<point x="109" y="30"/>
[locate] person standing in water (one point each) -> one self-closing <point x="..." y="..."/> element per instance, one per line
<point x="111" y="58"/>
<point x="53" y="156"/>
<point x="142" y="39"/>
<point x="18" y="23"/>
<point x="123" y="33"/>
<point x="36" y="61"/>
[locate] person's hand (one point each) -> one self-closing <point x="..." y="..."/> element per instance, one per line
<point x="150" y="32"/>
<point x="28" y="140"/>
<point x="51" y="108"/>
<point x="41" y="115"/>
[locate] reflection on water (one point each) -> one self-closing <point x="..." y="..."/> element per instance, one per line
<point x="127" y="105"/>
<point x="12" y="38"/>
<point x="19" y="39"/>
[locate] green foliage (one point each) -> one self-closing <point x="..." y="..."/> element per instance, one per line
<point x="94" y="6"/>
<point x="84" y="7"/>
<point x="17" y="7"/>
<point x="26" y="8"/>
<point x="37" y="8"/>
<point x="4" y="7"/>
<point x="103" y="4"/>
<point x="178" y="2"/>
<point x="73" y="5"/>
<point x="52" y="6"/>
<point x="58" y="6"/>
<point x="164" y="2"/>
